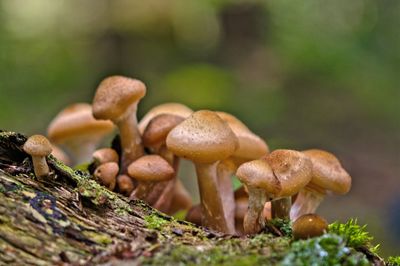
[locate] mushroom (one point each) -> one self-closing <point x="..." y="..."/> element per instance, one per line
<point x="328" y="175"/>
<point x="116" y="99"/>
<point x="78" y="132"/>
<point x="205" y="139"/>
<point x="181" y="199"/>
<point x="309" y="225"/>
<point x="105" y="155"/>
<point x="125" y="184"/>
<point x="60" y="155"/>
<point x="251" y="147"/>
<point x="38" y="147"/>
<point x="106" y="174"/>
<point x="293" y="170"/>
<point x="148" y="170"/>
<point x="194" y="215"/>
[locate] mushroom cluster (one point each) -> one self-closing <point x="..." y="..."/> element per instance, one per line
<point x="145" y="162"/>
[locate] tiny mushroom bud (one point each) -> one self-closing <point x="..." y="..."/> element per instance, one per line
<point x="105" y="155"/>
<point x="38" y="147"/>
<point x="327" y="175"/>
<point x="205" y="139"/>
<point x="78" y="132"/>
<point x="309" y="225"/>
<point x="116" y="99"/>
<point x="148" y="170"/>
<point x="125" y="184"/>
<point x="106" y="174"/>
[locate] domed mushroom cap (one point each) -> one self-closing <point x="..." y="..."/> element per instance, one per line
<point x="309" y="225"/>
<point x="105" y="155"/>
<point x="37" y="145"/>
<point x="203" y="137"/>
<point x="157" y="130"/>
<point x="251" y="146"/>
<point x="327" y="172"/>
<point x="292" y="168"/>
<point x="259" y="174"/>
<point x="151" y="168"/>
<point x="166" y="108"/>
<point x="106" y="174"/>
<point x="115" y="95"/>
<point x="75" y="120"/>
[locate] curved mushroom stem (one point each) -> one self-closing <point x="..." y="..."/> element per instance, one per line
<point x="225" y="171"/>
<point x="307" y="201"/>
<point x="254" y="220"/>
<point x="40" y="166"/>
<point x="281" y="208"/>
<point x="131" y="141"/>
<point x="213" y="215"/>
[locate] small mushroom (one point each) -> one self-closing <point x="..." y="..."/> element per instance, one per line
<point x="327" y="175"/>
<point x="125" y="184"/>
<point x="106" y="174"/>
<point x="105" y="155"/>
<point x="148" y="170"/>
<point x="181" y="199"/>
<point x="205" y="139"/>
<point x="78" y="132"/>
<point x="116" y="99"/>
<point x="309" y="225"/>
<point x="38" y="147"/>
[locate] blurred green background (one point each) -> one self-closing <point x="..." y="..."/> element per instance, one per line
<point x="302" y="74"/>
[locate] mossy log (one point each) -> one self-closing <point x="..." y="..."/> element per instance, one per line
<point x="67" y="218"/>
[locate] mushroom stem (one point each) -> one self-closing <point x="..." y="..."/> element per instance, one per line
<point x="281" y="208"/>
<point x="307" y="201"/>
<point x="142" y="191"/>
<point x="213" y="214"/>
<point x="40" y="166"/>
<point x="225" y="170"/>
<point x="81" y="150"/>
<point x="254" y="220"/>
<point x="131" y="142"/>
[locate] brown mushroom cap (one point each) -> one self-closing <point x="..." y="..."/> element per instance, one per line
<point x="151" y="168"/>
<point x="327" y="172"/>
<point x="291" y="168"/>
<point x="115" y="95"/>
<point x="158" y="128"/>
<point x="309" y="225"/>
<point x="203" y="138"/>
<point x="75" y="120"/>
<point x="105" y="155"/>
<point x="251" y="146"/>
<point x="166" y="108"/>
<point x="106" y="174"/>
<point x="259" y="174"/>
<point x="37" y="145"/>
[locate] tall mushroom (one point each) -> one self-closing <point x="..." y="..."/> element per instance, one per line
<point x="38" y="147"/>
<point x="205" y="139"/>
<point x="78" y="132"/>
<point x="328" y="175"/>
<point x="116" y="99"/>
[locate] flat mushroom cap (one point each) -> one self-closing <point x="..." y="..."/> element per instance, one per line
<point x="115" y="95"/>
<point x="327" y="172"/>
<point x="259" y="174"/>
<point x="292" y="168"/>
<point x="203" y="138"/>
<point x="37" y="145"/>
<point x="251" y="146"/>
<point x="158" y="128"/>
<point x="166" y="108"/>
<point x="77" y="119"/>
<point x="151" y="168"/>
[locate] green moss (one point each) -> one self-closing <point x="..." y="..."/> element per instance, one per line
<point x="283" y="225"/>
<point x="98" y="238"/>
<point x="394" y="261"/>
<point x="328" y="249"/>
<point x="153" y="221"/>
<point x="83" y="167"/>
<point x="355" y="235"/>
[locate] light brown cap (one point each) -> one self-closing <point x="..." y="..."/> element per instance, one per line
<point x="76" y="120"/>
<point x="125" y="184"/>
<point x="115" y="95"/>
<point x="309" y="225"/>
<point x="203" y="138"/>
<point x="251" y="146"/>
<point x="37" y="145"/>
<point x="177" y="109"/>
<point x="157" y="130"/>
<point x="106" y="174"/>
<point x="291" y="168"/>
<point x="327" y="172"/>
<point x="259" y="174"/>
<point x="105" y="155"/>
<point x="151" y="168"/>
